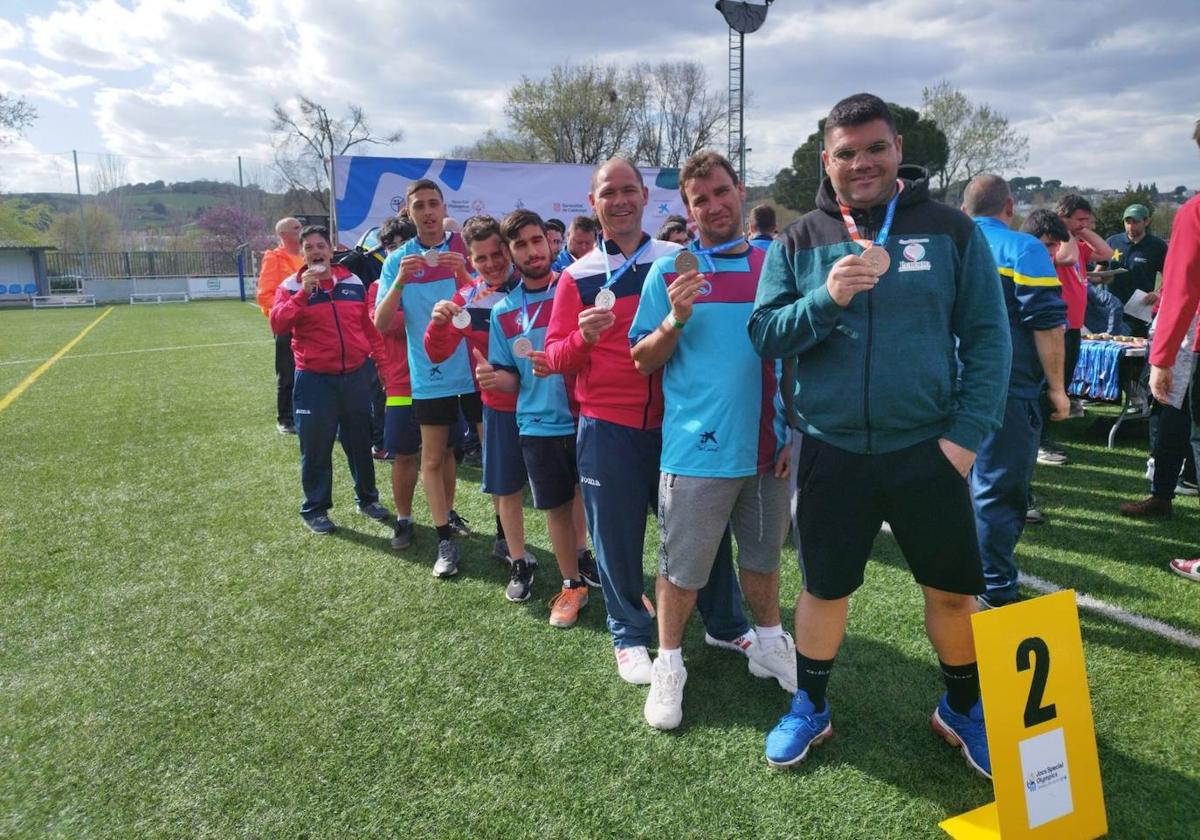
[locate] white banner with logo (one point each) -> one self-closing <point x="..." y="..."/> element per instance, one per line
<point x="370" y="189"/>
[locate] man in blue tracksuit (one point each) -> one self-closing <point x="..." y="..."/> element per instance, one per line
<point x="1037" y="316"/>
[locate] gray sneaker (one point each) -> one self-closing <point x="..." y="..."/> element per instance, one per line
<point x="447" y="560"/>
<point x="402" y="534"/>
<point x="458" y="525"/>
<point x="520" y="581"/>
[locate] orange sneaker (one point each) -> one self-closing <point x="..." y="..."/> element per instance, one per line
<point x="565" y="606"/>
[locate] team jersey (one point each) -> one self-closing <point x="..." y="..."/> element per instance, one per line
<point x="722" y="413"/>
<point x="430" y="380"/>
<point x="543" y="408"/>
<point x="441" y="340"/>
<point x="396" y="383"/>
<point x="763" y="242"/>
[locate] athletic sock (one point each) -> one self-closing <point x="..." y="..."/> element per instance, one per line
<point x="573" y="584"/>
<point x="499" y="529"/>
<point x="443" y="532"/>
<point x="775" y="631"/>
<point x="401" y="520"/>
<point x="962" y="685"/>
<point x="672" y="656"/>
<point x="812" y="677"/>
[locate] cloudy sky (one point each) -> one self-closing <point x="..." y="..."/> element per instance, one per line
<point x="1106" y="91"/>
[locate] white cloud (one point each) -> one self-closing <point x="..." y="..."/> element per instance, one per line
<point x="11" y="35"/>
<point x="34" y="81"/>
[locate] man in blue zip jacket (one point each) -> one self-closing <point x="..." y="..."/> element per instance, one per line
<point x="1037" y="316"/>
<point x="888" y="304"/>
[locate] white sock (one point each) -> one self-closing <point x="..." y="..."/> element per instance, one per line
<point x="672" y="656"/>
<point x="765" y="634"/>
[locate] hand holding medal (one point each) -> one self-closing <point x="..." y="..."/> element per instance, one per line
<point x="686" y="286"/>
<point x="311" y="279"/>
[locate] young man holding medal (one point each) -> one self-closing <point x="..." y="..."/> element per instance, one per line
<point x="620" y="418"/>
<point x="546" y="442"/>
<point x="426" y="269"/>
<point x="889" y="304"/>
<point x="468" y="315"/>
<point x="723" y="454"/>
<point x="324" y="307"/>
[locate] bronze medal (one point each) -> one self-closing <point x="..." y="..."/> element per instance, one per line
<point x="522" y="348"/>
<point x="686" y="261"/>
<point x="878" y="259"/>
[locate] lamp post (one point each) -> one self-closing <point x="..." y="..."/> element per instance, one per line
<point x="742" y="18"/>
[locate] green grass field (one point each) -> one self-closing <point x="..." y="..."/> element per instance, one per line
<point x="179" y="657"/>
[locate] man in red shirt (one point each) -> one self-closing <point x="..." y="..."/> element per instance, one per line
<point x="1180" y="301"/>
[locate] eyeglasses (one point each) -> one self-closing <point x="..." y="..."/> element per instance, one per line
<point x="845" y="157"/>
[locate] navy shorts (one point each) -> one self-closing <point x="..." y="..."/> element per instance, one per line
<point x="401" y="434"/>
<point x="503" y="462"/>
<point x="553" y="473"/>
<point x="840" y="499"/>
<point x="443" y="411"/>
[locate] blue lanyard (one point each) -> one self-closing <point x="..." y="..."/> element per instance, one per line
<point x="526" y="323"/>
<point x="609" y="276"/>
<point x="707" y="253"/>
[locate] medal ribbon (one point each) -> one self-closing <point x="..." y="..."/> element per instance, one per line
<point x="887" y="220"/>
<point x="706" y="253"/>
<point x="526" y="322"/>
<point x="612" y="277"/>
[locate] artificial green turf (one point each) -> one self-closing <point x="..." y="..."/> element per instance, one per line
<point x="180" y="658"/>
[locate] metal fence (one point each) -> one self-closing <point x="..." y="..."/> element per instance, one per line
<point x="140" y="264"/>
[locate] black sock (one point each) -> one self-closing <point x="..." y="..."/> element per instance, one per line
<point x="443" y="532"/>
<point x="812" y="676"/>
<point x="499" y="529"/>
<point x="962" y="686"/>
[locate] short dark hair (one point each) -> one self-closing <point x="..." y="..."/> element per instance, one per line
<point x="1071" y="204"/>
<point x="701" y="165"/>
<point x="396" y="231"/>
<point x="618" y="159"/>
<point x="513" y="223"/>
<point x="554" y="224"/>
<point x="669" y="227"/>
<point x="762" y="218"/>
<point x="1046" y="222"/>
<point x="422" y="184"/>
<point x="480" y="229"/>
<point x="319" y="230"/>
<point x="859" y="109"/>
<point x="586" y="224"/>
<point x="986" y="195"/>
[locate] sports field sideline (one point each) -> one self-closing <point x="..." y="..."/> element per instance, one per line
<point x="180" y="657"/>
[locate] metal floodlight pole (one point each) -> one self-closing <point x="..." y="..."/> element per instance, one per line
<point x="742" y="18"/>
<point x="87" y="257"/>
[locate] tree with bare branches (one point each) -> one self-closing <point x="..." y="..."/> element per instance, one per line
<point x="980" y="138"/>
<point x="305" y="136"/>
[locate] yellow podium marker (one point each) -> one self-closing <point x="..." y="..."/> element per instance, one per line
<point x="1041" y="738"/>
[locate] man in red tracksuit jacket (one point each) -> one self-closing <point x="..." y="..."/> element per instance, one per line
<point x="620" y="422"/>
<point x="1180" y="302"/>
<point x="324" y="307"/>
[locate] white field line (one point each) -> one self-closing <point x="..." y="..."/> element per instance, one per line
<point x="1087" y="602"/>
<point x="141" y="350"/>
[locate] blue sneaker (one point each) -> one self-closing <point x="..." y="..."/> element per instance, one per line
<point x="967" y="732"/>
<point x="320" y="524"/>
<point x="802" y="727"/>
<point x="377" y="512"/>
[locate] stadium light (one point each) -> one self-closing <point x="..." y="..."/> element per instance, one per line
<point x="742" y="18"/>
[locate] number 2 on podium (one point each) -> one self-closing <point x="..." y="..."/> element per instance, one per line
<point x="1034" y="648"/>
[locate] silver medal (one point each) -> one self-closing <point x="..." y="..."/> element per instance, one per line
<point x="878" y="259"/>
<point x="522" y="348"/>
<point x="430" y="257"/>
<point x="605" y="299"/>
<point x="461" y="319"/>
<point x="686" y="261"/>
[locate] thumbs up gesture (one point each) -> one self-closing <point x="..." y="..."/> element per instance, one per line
<point x="485" y="373"/>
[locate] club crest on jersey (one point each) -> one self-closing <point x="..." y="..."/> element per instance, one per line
<point x="705" y="289"/>
<point x="914" y="258"/>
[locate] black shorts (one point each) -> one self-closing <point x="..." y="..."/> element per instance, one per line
<point x="443" y="411"/>
<point x="553" y="472"/>
<point x="840" y="500"/>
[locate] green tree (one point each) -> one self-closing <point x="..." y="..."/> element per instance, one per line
<point x="924" y="145"/>
<point x="23" y="222"/>
<point x="1109" y="218"/>
<point x="16" y="115"/>
<point x="980" y="138"/>
<point x="103" y="232"/>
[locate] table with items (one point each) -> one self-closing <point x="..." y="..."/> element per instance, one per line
<point x="1112" y="368"/>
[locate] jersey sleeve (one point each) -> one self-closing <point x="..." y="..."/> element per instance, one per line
<point x="499" y="352"/>
<point x="1039" y="292"/>
<point x="653" y="306"/>
<point x="566" y="351"/>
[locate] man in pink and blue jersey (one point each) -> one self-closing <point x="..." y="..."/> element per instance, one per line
<point x="723" y="454"/>
<point x="426" y="269"/>
<point x="544" y="418"/>
<point x="620" y="417"/>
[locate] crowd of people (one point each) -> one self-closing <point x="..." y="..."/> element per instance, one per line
<point x="887" y="361"/>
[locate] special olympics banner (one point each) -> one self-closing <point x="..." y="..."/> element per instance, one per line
<point x="369" y="189"/>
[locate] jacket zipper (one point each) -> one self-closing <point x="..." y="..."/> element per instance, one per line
<point x="867" y="360"/>
<point x="338" y="324"/>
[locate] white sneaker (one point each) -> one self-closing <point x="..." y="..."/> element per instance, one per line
<point x="775" y="658"/>
<point x="742" y="644"/>
<point x="664" y="703"/>
<point x="633" y="664"/>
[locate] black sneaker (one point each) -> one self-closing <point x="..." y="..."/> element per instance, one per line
<point x="402" y="534"/>
<point x="587" y="568"/>
<point x="285" y="428"/>
<point x="520" y="580"/>
<point x="320" y="524"/>
<point x="458" y="525"/>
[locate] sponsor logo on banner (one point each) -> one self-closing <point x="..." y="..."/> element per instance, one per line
<point x="914" y="257"/>
<point x="664" y="209"/>
<point x="478" y="206"/>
